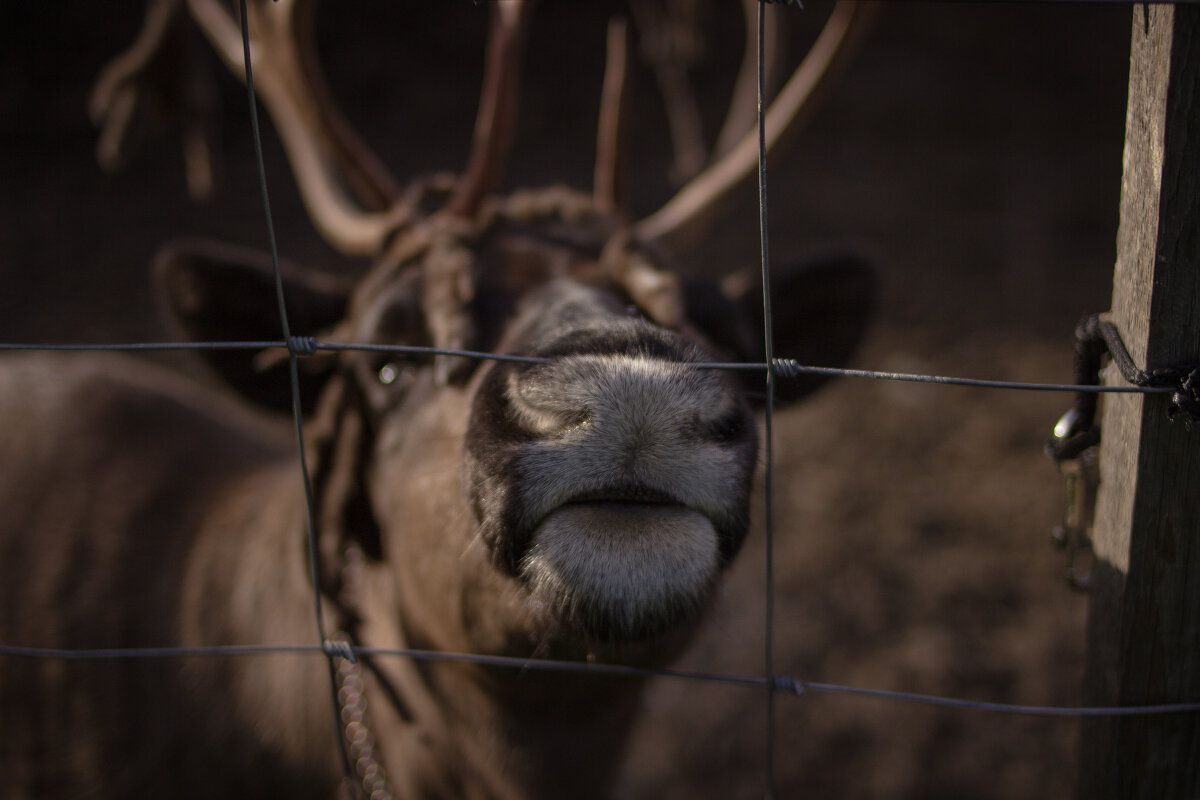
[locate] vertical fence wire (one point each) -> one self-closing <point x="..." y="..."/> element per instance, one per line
<point x="769" y="413"/>
<point x="297" y="414"/>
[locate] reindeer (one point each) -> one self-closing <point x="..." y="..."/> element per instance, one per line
<point x="579" y="506"/>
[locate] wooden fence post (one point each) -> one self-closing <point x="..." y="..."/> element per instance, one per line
<point x="1144" y="617"/>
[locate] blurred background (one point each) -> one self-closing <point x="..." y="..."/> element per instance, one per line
<point x="972" y="150"/>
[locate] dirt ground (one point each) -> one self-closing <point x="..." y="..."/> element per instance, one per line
<point x="973" y="150"/>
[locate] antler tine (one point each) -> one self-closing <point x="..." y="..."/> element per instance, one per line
<point x="683" y="215"/>
<point x="157" y="72"/>
<point x="670" y="46"/>
<point x="497" y="109"/>
<point x="743" y="106"/>
<point x="364" y="170"/>
<point x="611" y="141"/>
<point x="320" y="147"/>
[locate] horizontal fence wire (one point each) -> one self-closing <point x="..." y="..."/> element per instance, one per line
<point x="783" y="367"/>
<point x="1045" y="2"/>
<point x="786" y="684"/>
<point x="783" y="683"/>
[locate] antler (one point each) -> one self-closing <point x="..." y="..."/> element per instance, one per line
<point x="356" y="204"/>
<point x="320" y="145"/>
<point x="497" y="109"/>
<point x="671" y="44"/>
<point x="156" y="75"/>
<point x="743" y="107"/>
<point x="678" y="220"/>
<point x="611" y="144"/>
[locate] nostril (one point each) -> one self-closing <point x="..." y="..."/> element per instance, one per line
<point x="575" y="418"/>
<point x="543" y="404"/>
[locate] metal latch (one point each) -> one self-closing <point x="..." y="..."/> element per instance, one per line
<point x="1081" y="472"/>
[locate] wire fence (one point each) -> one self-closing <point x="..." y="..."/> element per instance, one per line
<point x="773" y="369"/>
<point x="782" y="367"/>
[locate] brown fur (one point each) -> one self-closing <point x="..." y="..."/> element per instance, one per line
<point x="128" y="552"/>
<point x="142" y="510"/>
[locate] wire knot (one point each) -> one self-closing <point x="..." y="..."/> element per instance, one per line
<point x="786" y="368"/>
<point x="788" y="683"/>
<point x="302" y="345"/>
<point x="340" y="648"/>
<point x="1187" y="397"/>
<point x="1095" y="336"/>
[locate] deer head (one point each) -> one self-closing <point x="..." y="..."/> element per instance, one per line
<point x="603" y="487"/>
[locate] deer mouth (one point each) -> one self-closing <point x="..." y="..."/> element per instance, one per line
<point x="625" y="564"/>
<point x="631" y="494"/>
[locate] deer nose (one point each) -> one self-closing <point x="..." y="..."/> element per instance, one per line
<point x="637" y="405"/>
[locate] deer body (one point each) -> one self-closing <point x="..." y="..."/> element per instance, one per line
<point x="143" y="558"/>
<point x="219" y="558"/>
<point x="119" y="555"/>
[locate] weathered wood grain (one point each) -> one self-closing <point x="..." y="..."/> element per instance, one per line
<point x="1144" y="621"/>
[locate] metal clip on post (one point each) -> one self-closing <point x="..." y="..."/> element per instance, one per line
<point x="1082" y="475"/>
<point x="1073" y="448"/>
<point x="1073" y="445"/>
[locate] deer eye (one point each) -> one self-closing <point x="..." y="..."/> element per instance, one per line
<point x="396" y="376"/>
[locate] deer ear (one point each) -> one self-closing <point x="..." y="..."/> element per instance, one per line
<point x="211" y="291"/>
<point x="820" y="310"/>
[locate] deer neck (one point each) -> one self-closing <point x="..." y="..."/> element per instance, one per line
<point x="463" y="729"/>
